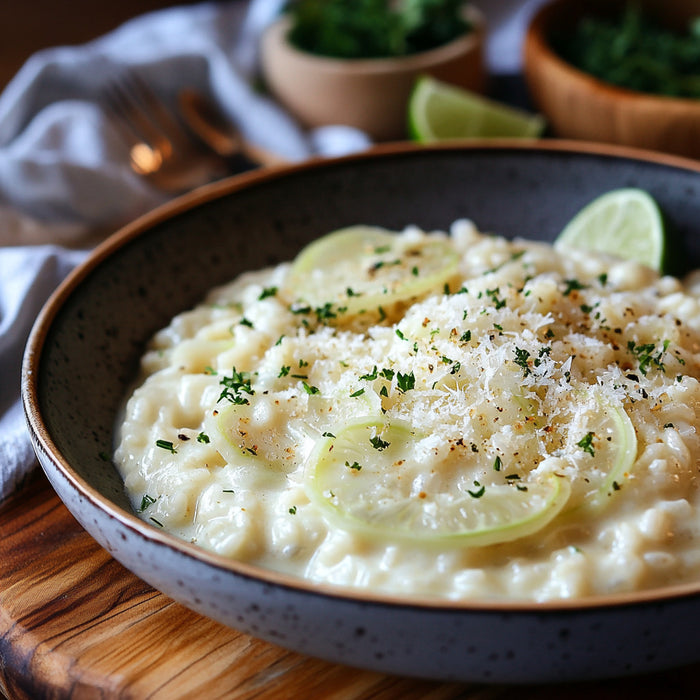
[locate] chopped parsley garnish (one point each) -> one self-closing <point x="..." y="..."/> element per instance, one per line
<point x="586" y="443"/>
<point x="646" y="355"/>
<point x="146" y="501"/>
<point x="571" y="286"/>
<point x="284" y="370"/>
<point x="371" y="375"/>
<point x="405" y="382"/>
<point x="203" y="438"/>
<point x="234" y="386"/>
<point x="166" y="445"/>
<point x="328" y="434"/>
<point x="466" y="336"/>
<point x="293" y="510"/>
<point x="378" y="443"/>
<point x="521" y="359"/>
<point x="497" y="464"/>
<point x="481" y="489"/>
<point x="246" y="322"/>
<point x="267" y="292"/>
<point x="493" y="295"/>
<point x="355" y="465"/>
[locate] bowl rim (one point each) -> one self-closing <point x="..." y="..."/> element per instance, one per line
<point x="537" y="46"/>
<point x="42" y="440"/>
<point x="276" y="35"/>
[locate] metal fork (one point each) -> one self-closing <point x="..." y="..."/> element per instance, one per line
<point x="160" y="147"/>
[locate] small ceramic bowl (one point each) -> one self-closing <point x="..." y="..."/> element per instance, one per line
<point x="579" y="106"/>
<point x="370" y="94"/>
<point x="84" y="350"/>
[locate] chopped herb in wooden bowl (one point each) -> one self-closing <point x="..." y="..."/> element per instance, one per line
<point x="633" y="50"/>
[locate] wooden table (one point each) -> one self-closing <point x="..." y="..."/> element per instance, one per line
<point x="75" y="624"/>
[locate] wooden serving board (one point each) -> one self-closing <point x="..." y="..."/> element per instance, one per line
<point x="75" y="624"/>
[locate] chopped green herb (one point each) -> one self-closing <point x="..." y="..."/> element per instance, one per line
<point x="493" y="295"/>
<point x="571" y="286"/>
<point x="521" y="359"/>
<point x="357" y="393"/>
<point x="586" y="443"/>
<point x="267" y="292"/>
<point x="311" y="389"/>
<point x="146" y="501"/>
<point x="405" y="382"/>
<point x="378" y="443"/>
<point x="371" y="376"/>
<point x="237" y="383"/>
<point x="355" y="465"/>
<point x="203" y="438"/>
<point x="479" y="492"/>
<point x="166" y="445"/>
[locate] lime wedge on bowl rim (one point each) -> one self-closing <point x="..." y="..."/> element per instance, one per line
<point x="439" y="111"/>
<point x="624" y="222"/>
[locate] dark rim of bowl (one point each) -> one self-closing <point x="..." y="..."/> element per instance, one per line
<point x="44" y="442"/>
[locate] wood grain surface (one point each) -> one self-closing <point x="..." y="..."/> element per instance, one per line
<point x="75" y="624"/>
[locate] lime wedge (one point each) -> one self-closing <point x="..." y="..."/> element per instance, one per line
<point x="625" y="222"/>
<point x="439" y="111"/>
<point x="365" y="480"/>
<point x="360" y="269"/>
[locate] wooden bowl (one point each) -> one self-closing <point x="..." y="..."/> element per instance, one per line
<point x="370" y="94"/>
<point x="580" y="106"/>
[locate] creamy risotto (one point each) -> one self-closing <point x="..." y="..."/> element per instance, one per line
<point x="433" y="414"/>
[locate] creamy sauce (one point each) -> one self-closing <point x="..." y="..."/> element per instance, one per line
<point x="525" y="427"/>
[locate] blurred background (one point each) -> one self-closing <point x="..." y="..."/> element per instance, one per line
<point x="39" y="24"/>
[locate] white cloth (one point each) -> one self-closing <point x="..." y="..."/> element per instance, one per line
<point x="27" y="277"/>
<point x="65" y="178"/>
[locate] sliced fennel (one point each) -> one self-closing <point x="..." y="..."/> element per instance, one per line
<point x="362" y="269"/>
<point x="270" y="431"/>
<point x="362" y="479"/>
<point x="613" y="448"/>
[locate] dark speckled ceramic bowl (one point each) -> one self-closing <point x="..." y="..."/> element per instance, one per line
<point x="84" y="350"/>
